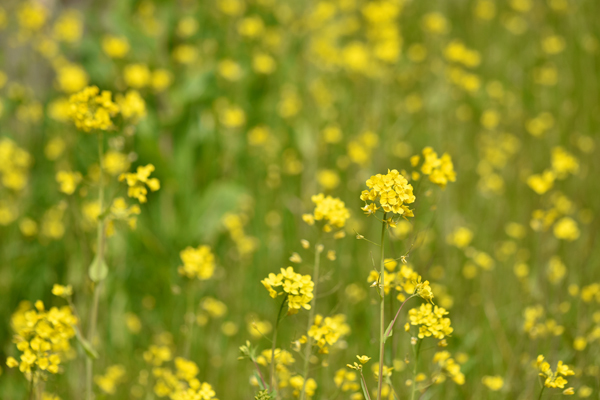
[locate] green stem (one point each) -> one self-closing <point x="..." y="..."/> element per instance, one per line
<point x="189" y="319"/>
<point x="391" y="327"/>
<point x="362" y="377"/>
<point x="100" y="260"/>
<point x="311" y="318"/>
<point x="417" y="349"/>
<point x="541" y="391"/>
<point x="381" y="310"/>
<point x="274" y="345"/>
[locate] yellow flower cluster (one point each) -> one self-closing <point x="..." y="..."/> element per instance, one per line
<point x="439" y="170"/>
<point x="494" y="383"/>
<point x="327" y="331"/>
<point x="391" y="190"/>
<point x="68" y="181"/>
<point x="430" y="320"/>
<point x="42" y="336"/>
<point x="114" y="375"/>
<point x="297" y="288"/>
<point x="244" y="243"/>
<point x="14" y="166"/>
<point x="563" y="164"/>
<point x="92" y="110"/>
<point x="157" y="355"/>
<point x="536" y="326"/>
<point x="283" y="359"/>
<point x="553" y="379"/>
<point x="406" y="281"/>
<point x="131" y="105"/>
<point x="197" y="263"/>
<point x="297" y="383"/>
<point x="329" y="209"/>
<point x="449" y="366"/>
<point x="346" y="381"/>
<point x="138" y="181"/>
<point x="182" y="383"/>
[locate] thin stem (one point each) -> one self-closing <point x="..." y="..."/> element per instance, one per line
<point x="262" y="379"/>
<point x="541" y="392"/>
<point x="381" y="310"/>
<point x="31" y="386"/>
<point x="365" y="383"/>
<point x="274" y="345"/>
<point x="391" y="327"/>
<point x="189" y="318"/>
<point x="417" y="348"/>
<point x="311" y="318"/>
<point x="100" y="260"/>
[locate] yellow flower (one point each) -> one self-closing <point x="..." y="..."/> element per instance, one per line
<point x="138" y="181"/>
<point x="136" y="76"/>
<point x="115" y="46"/>
<point x="197" y="263"/>
<point x="62" y="291"/>
<point x="330" y="210"/>
<point x="393" y="192"/>
<point x="71" y="78"/>
<point x="92" y="110"/>
<point x="494" y="383"/>
<point x="363" y="359"/>
<point x="68" y="181"/>
<point x="298" y="288"/>
<point x="132" y="105"/>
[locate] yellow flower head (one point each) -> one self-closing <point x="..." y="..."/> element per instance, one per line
<point x="197" y="263"/>
<point x="329" y="209"/>
<point x="91" y="109"/>
<point x="391" y="190"/>
<point x="298" y="288"/>
<point x="138" y="181"/>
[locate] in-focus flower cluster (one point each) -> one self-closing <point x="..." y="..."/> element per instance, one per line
<point x="42" y="336"/>
<point x="439" y="169"/>
<point x="329" y="209"/>
<point x="553" y="379"/>
<point x="431" y="321"/>
<point x="92" y="109"/>
<point x="327" y="331"/>
<point x="298" y="288"/>
<point x="137" y="182"/>
<point x="392" y="191"/>
<point x="197" y="262"/>
<point x="405" y="281"/>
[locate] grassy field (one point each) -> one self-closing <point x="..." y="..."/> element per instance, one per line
<point x="488" y="111"/>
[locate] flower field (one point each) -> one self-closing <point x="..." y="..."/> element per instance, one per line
<point x="310" y="199"/>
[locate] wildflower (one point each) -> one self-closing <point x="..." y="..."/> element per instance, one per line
<point x="329" y="209"/>
<point x="69" y="26"/>
<point x="68" y="181"/>
<point x="563" y="163"/>
<point x="199" y="263"/>
<point x="115" y="46"/>
<point x="553" y="379"/>
<point x="431" y="321"/>
<point x="161" y="79"/>
<point x="363" y="359"/>
<point x="449" y="366"/>
<point x="297" y="383"/>
<point x="393" y="192"/>
<point x="113" y="376"/>
<point x="541" y="183"/>
<point x="138" y="181"/>
<point x="92" y="110"/>
<point x="494" y="383"/>
<point x="14" y="166"/>
<point x="42" y="336"/>
<point x="71" y="78"/>
<point x="132" y="105"/>
<point x="136" y="76"/>
<point x="298" y="288"/>
<point x="62" y="291"/>
<point x="327" y="331"/>
<point x="566" y="229"/>
<point x="115" y="163"/>
<point x="423" y="290"/>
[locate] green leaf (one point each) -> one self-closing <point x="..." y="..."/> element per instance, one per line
<point x="362" y="385"/>
<point x="98" y="270"/>
<point x="87" y="346"/>
<point x="391" y="330"/>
